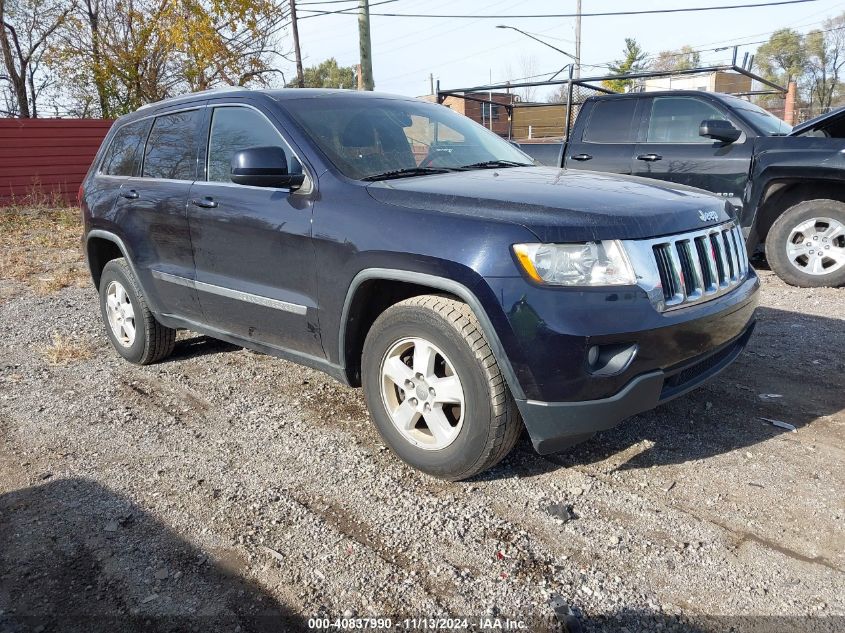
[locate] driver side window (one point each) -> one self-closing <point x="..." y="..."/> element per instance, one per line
<point x="234" y="128"/>
<point x="677" y="119"/>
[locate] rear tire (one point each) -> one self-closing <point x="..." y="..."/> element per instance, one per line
<point x="130" y="326"/>
<point x="462" y="385"/>
<point x="806" y="245"/>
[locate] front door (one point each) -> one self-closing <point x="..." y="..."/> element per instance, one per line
<point x="674" y="151"/>
<point x="254" y="259"/>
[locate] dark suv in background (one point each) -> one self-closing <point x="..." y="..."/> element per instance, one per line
<point x="400" y="246"/>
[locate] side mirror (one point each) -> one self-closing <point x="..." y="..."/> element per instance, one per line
<point x="263" y="167"/>
<point x="719" y="130"/>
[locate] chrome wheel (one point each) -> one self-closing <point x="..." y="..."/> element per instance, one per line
<point x="120" y="313"/>
<point x="817" y="246"/>
<point x="422" y="393"/>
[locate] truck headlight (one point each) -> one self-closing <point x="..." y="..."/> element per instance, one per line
<point x="602" y="263"/>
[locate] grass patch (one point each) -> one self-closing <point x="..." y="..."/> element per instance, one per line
<point x="63" y="350"/>
<point x="39" y="246"/>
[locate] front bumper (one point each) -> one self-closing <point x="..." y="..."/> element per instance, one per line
<point x="564" y="398"/>
<point x="554" y="425"/>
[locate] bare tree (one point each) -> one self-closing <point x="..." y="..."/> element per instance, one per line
<point x="26" y="27"/>
<point x="825" y="60"/>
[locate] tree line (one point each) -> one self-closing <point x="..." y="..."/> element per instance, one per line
<point x="814" y="61"/>
<point x="104" y="58"/>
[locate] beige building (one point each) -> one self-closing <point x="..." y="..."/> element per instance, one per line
<point x="719" y="81"/>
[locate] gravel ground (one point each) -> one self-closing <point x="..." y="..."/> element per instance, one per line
<point x="227" y="490"/>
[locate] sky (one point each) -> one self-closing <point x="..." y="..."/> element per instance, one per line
<point x="470" y="52"/>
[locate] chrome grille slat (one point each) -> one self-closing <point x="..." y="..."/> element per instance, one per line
<point x="733" y="256"/>
<point x="690" y="267"/>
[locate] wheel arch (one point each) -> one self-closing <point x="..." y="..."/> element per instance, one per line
<point x="782" y="194"/>
<point x="100" y="248"/>
<point x="390" y="286"/>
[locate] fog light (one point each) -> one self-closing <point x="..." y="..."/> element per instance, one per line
<point x="609" y="360"/>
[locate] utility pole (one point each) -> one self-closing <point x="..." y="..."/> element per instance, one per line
<point x="300" y="77"/>
<point x="365" y="46"/>
<point x="577" y="40"/>
<point x="431" y="83"/>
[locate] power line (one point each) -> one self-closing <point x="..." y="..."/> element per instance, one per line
<point x="316" y="13"/>
<point x="567" y="15"/>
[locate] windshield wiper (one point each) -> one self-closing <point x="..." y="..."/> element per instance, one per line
<point x="411" y="171"/>
<point x="487" y="164"/>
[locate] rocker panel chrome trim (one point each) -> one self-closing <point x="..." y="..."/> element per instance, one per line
<point x="238" y="295"/>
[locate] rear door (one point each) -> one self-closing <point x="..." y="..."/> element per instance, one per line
<point x="152" y="212"/>
<point x="121" y="160"/>
<point x="608" y="139"/>
<point x="672" y="149"/>
<point x="255" y="263"/>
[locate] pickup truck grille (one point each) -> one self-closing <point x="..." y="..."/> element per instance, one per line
<point x="700" y="265"/>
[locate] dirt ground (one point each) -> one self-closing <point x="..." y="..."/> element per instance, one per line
<point x="227" y="490"/>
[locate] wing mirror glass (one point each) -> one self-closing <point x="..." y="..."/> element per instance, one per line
<point x="263" y="167"/>
<point x="719" y="130"/>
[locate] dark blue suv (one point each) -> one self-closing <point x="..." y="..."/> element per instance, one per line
<point x="399" y="246"/>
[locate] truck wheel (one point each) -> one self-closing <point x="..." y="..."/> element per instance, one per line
<point x="806" y="244"/>
<point x="131" y="327"/>
<point x="434" y="388"/>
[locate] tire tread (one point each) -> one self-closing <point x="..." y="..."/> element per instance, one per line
<point x="505" y="423"/>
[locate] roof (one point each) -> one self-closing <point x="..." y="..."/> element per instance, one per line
<point x="279" y="94"/>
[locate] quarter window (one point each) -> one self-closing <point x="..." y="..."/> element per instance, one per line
<point x="235" y="128"/>
<point x="611" y="122"/>
<point x="172" y="148"/>
<point x="677" y="119"/>
<point x="123" y="154"/>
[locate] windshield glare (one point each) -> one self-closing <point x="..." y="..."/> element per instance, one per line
<point x="370" y="137"/>
<point x="764" y="121"/>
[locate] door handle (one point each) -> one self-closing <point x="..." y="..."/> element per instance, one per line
<point x="649" y="157"/>
<point x="205" y="203"/>
<point x="129" y="195"/>
<point x="581" y="157"/>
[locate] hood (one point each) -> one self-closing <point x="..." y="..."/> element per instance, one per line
<point x="830" y="125"/>
<point x="560" y="204"/>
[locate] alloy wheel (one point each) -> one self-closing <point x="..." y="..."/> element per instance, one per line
<point x="817" y="246"/>
<point x="422" y="393"/>
<point x="120" y="313"/>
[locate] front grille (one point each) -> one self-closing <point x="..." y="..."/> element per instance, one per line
<point x="700" y="265"/>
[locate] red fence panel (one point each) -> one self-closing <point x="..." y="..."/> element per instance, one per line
<point x="43" y="159"/>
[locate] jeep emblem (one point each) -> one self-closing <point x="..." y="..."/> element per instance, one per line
<point x="708" y="216"/>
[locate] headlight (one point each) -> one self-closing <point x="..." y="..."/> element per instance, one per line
<point x="602" y="263"/>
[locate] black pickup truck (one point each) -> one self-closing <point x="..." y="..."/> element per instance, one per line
<point x="786" y="184"/>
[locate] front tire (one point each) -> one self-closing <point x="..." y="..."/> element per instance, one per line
<point x="435" y="390"/>
<point x="130" y="326"/>
<point x="806" y="245"/>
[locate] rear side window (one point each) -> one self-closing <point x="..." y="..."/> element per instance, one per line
<point x="234" y="128"/>
<point x="612" y="121"/>
<point x="172" y="147"/>
<point x="124" y="153"/>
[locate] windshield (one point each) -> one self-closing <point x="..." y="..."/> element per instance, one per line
<point x="368" y="139"/>
<point x="764" y="121"/>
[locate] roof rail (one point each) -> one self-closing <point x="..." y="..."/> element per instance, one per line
<point x="193" y="94"/>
